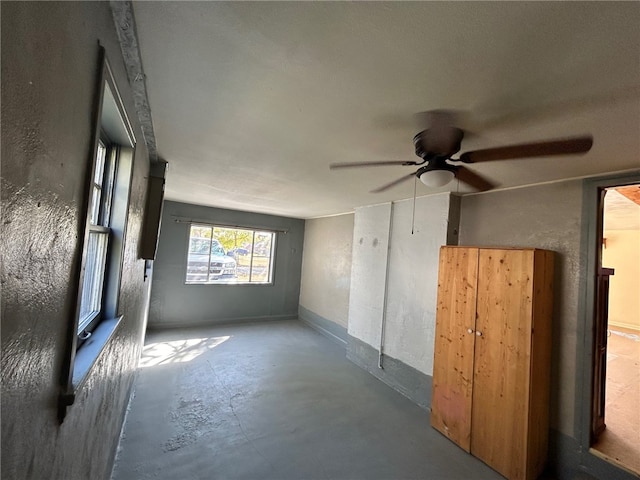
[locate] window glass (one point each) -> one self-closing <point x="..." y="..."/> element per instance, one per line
<point x="93" y="278"/>
<point x="224" y="255"/>
<point x="96" y="192"/>
<point x="107" y="185"/>
<point x="261" y="264"/>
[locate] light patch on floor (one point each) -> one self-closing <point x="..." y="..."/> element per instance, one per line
<point x="177" y="351"/>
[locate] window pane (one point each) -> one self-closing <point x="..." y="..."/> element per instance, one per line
<point x="243" y="260"/>
<point x="261" y="265"/>
<point x="96" y="190"/>
<point x="101" y="154"/>
<point x="95" y="204"/>
<point x="199" y="248"/>
<point x="93" y="278"/>
<point x="107" y="187"/>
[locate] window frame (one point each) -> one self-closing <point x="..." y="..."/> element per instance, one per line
<point x="112" y="128"/>
<point x="102" y="226"/>
<point x="253" y="230"/>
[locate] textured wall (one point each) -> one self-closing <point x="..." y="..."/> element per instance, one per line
<point x="173" y="303"/>
<point x="49" y="73"/>
<point x="549" y="217"/>
<point x="368" y="272"/>
<point x="326" y="267"/>
<point x="413" y="279"/>
<point x="412" y="276"/>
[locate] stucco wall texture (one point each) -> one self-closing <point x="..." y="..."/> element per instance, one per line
<point x="549" y="217"/>
<point x="369" y="271"/>
<point x="413" y="279"/>
<point x="326" y="267"/>
<point x="413" y="245"/>
<point x="49" y="80"/>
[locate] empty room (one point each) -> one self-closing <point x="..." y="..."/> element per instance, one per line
<point x="320" y="240"/>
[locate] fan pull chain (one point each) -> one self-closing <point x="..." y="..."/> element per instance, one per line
<point x="413" y="213"/>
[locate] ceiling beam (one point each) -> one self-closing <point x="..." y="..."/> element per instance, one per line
<point x="125" y="24"/>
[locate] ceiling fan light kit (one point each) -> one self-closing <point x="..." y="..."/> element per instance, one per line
<point x="437" y="144"/>
<point x="436" y="178"/>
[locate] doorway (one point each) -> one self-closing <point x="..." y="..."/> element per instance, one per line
<point x="615" y="430"/>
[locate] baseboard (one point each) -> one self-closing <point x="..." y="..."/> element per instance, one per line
<point x="219" y="321"/>
<point x="329" y="329"/>
<point x="411" y="383"/>
<point x="628" y="326"/>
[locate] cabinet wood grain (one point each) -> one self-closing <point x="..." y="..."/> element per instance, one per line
<point x="492" y="355"/>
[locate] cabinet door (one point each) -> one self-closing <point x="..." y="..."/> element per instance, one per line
<point x="502" y="360"/>
<point x="453" y="357"/>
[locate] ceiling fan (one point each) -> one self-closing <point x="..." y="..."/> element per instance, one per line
<point x="437" y="144"/>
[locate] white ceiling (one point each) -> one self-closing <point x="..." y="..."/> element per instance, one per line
<point x="620" y="213"/>
<point x="251" y="101"/>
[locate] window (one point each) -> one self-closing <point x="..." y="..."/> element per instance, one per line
<point x="97" y="314"/>
<point x="107" y="209"/>
<point x="226" y="255"/>
<point x="101" y="199"/>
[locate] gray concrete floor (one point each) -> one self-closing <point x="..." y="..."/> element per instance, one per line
<point x="274" y="401"/>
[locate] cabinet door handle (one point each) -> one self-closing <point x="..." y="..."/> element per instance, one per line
<point x="479" y="334"/>
<point x="470" y="330"/>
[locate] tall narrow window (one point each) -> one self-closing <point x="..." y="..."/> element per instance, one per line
<point x="108" y="204"/>
<point x="97" y="313"/>
<point x="99" y="233"/>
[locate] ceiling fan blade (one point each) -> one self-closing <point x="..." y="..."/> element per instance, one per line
<point x="370" y="164"/>
<point x="473" y="179"/>
<point x="394" y="183"/>
<point x="526" y="150"/>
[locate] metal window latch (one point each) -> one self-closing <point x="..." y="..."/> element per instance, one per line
<point x="84" y="335"/>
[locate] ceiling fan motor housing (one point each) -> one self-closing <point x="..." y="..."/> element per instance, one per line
<point x="438" y="142"/>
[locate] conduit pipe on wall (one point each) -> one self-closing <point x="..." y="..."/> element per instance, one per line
<point x="383" y="322"/>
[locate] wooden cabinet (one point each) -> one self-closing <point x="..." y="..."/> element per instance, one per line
<point x="492" y="355"/>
